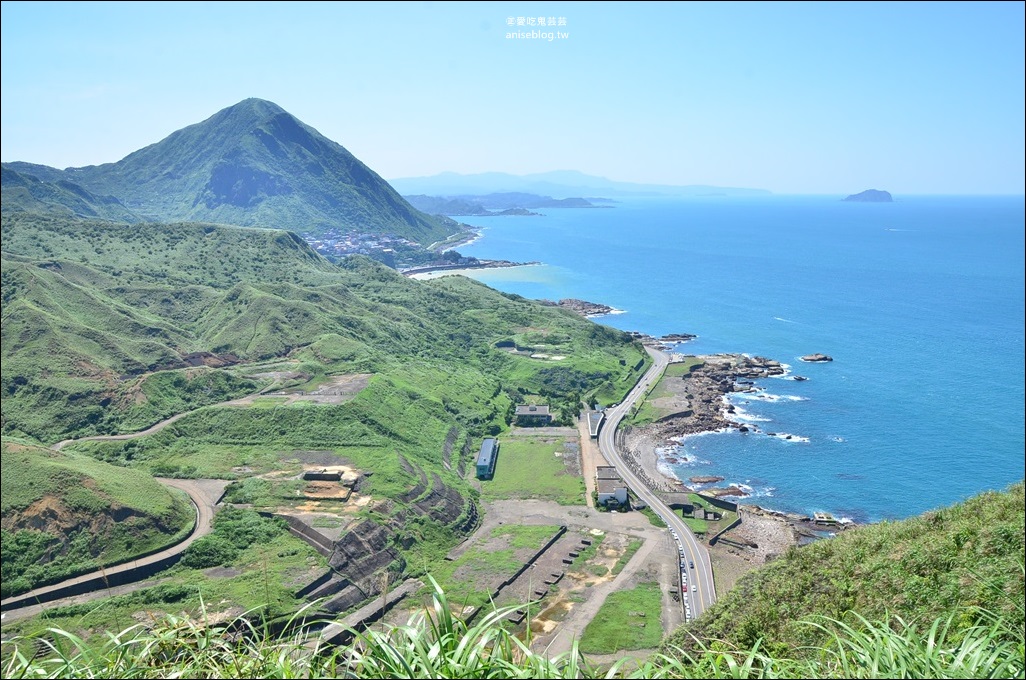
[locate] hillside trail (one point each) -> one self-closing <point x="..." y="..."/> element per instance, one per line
<point x="338" y="389"/>
<point x="204" y="494"/>
<point x="153" y="429"/>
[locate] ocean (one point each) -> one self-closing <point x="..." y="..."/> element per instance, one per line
<point x="920" y="302"/>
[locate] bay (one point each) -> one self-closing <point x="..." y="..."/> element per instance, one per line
<point x="920" y="303"/>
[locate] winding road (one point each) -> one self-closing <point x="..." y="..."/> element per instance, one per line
<point x="701" y="592"/>
<point x="204" y="494"/>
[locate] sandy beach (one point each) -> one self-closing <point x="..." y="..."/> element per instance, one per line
<point x="470" y="272"/>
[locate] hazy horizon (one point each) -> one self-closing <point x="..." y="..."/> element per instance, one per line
<point x="771" y="193"/>
<point x="793" y="98"/>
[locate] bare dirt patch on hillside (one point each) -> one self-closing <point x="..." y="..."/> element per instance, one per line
<point x="336" y="390"/>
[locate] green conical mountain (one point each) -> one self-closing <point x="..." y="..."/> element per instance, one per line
<point x="252" y="164"/>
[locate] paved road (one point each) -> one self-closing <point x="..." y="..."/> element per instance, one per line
<point x="701" y="589"/>
<point x="204" y="494"/>
<point x="117" y="437"/>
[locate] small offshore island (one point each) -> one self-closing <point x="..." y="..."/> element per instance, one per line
<point x="870" y="196"/>
<point x="816" y="358"/>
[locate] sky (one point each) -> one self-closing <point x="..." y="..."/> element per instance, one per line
<point x="796" y="98"/>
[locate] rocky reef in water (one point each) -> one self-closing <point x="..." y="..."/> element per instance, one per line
<point x="816" y="358"/>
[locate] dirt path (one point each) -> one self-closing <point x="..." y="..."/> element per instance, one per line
<point x="572" y="628"/>
<point x="339" y="389"/>
<point x="204" y="494"/>
<point x="153" y="429"/>
<point x="591" y="458"/>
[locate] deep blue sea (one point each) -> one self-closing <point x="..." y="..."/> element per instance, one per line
<point x="919" y="302"/>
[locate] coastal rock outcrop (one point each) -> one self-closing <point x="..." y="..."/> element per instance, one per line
<point x="676" y="338"/>
<point x="585" y="308"/>
<point x="700" y="406"/>
<point x="816" y="358"/>
<point x="706" y="480"/>
<point x="732" y="490"/>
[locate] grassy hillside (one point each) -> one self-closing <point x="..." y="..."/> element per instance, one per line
<point x="92" y="311"/>
<point x="248" y="564"/>
<point x="65" y="514"/>
<point x="957" y="560"/>
<point x="253" y="164"/>
<point x="110" y="328"/>
<point x="24" y="192"/>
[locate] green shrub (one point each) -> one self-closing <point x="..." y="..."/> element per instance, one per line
<point x="209" y="551"/>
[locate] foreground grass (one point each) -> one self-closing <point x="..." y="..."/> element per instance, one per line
<point x="434" y="643"/>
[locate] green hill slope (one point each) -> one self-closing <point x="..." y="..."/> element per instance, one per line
<point x="111" y="328"/>
<point x="65" y="514"/>
<point x="84" y="332"/>
<point x="956" y="560"/>
<point x="252" y="164"/>
<point x="24" y="192"/>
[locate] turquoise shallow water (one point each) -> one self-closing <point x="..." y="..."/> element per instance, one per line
<point x="920" y="302"/>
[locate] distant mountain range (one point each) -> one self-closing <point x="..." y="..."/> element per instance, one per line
<point x="506" y="203"/>
<point x="252" y="164"/>
<point x="556" y="184"/>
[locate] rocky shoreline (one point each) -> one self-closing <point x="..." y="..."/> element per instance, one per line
<point x="696" y="403"/>
<point x="699" y="403"/>
<point x="582" y="307"/>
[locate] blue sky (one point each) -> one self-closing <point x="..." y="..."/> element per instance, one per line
<point x="915" y="98"/>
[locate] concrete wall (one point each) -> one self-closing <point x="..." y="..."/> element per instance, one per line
<point x="719" y="503"/>
<point x="305" y="532"/>
<point x="514" y="577"/>
<point x="736" y="522"/>
<point x="98" y="582"/>
<point x="315" y="584"/>
<point x="314" y="476"/>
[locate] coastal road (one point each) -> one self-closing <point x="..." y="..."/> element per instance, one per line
<point x="701" y="588"/>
